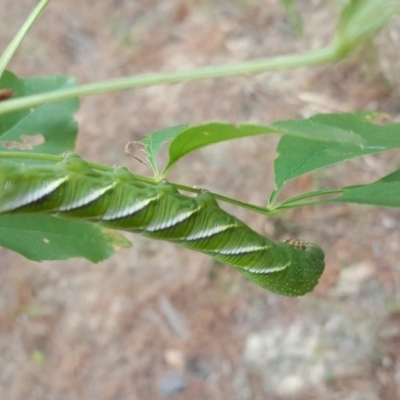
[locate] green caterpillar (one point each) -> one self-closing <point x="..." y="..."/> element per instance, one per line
<point x="117" y="200"/>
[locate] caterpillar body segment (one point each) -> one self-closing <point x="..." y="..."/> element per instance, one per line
<point x="299" y="277"/>
<point x="117" y="200"/>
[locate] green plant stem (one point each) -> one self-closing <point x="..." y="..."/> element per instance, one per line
<point x="273" y="196"/>
<point x="248" y="206"/>
<point x="31" y="156"/>
<point x="294" y="200"/>
<point x="357" y="22"/>
<point x="315" y="57"/>
<point x="14" y="44"/>
<point x="280" y="208"/>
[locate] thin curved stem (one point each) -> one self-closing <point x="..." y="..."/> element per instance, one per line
<point x="225" y="199"/>
<point x="296" y="199"/>
<point x="315" y="57"/>
<point x="14" y="44"/>
<point x="280" y="208"/>
<point x="31" y="156"/>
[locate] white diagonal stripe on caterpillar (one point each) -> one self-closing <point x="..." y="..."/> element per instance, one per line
<point x="209" y="232"/>
<point x="154" y="227"/>
<point x="138" y="205"/>
<point x="93" y="195"/>
<point x="30" y="197"/>
<point x="250" y="248"/>
<point x="266" y="270"/>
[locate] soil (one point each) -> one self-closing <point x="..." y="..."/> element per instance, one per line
<point x="157" y="321"/>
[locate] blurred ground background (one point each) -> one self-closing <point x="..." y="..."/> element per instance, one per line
<point x="157" y="321"/>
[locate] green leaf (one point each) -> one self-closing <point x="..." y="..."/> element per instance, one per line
<point x="392" y="177"/>
<point x="385" y="192"/>
<point x="315" y="129"/>
<point x="361" y="19"/>
<point x="44" y="237"/>
<point x="154" y="141"/>
<point x="297" y="156"/>
<point x="49" y="128"/>
<point x="196" y="137"/>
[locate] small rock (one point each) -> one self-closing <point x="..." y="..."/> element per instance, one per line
<point x="291" y="385"/>
<point x="197" y="368"/>
<point x="174" y="358"/>
<point x="172" y="384"/>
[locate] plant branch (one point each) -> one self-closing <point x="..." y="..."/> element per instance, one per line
<point x="14" y="44"/>
<point x="312" y="58"/>
<point x="294" y="200"/>
<point x="238" y="203"/>
<point x="281" y="207"/>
